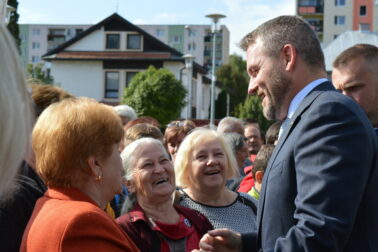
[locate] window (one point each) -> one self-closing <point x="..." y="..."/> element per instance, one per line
<point x="364" y="27"/>
<point x="36" y="32"/>
<point x="134" y="41"/>
<point x="362" y="10"/>
<point x="176" y="39"/>
<point x="35" y="59"/>
<point x="339" y="20"/>
<point x="191" y="46"/>
<point x="160" y="33"/>
<point x="78" y="31"/>
<point x="129" y="76"/>
<point x="35" y="45"/>
<point x="339" y="2"/>
<point x="113" y="41"/>
<point x="111" y="84"/>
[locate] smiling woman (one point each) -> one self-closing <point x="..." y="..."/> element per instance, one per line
<point x="203" y="164"/>
<point x="153" y="222"/>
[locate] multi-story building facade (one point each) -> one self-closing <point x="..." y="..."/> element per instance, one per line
<point x="331" y="18"/>
<point x="38" y="39"/>
<point x="194" y="39"/>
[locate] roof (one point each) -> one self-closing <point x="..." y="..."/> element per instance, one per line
<point x="165" y="52"/>
<point x="344" y="41"/>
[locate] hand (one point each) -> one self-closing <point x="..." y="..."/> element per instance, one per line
<point x="220" y="240"/>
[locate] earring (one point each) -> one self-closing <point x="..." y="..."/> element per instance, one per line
<point x="98" y="178"/>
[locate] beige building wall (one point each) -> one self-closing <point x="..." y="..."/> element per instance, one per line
<point x="332" y="30"/>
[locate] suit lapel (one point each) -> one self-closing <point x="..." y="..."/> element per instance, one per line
<point x="304" y="105"/>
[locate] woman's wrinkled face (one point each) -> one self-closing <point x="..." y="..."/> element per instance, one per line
<point x="153" y="174"/>
<point x="208" y="166"/>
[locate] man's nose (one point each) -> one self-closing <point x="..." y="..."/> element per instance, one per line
<point x="252" y="87"/>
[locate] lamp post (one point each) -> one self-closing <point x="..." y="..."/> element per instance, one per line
<point x="215" y="18"/>
<point x="189" y="69"/>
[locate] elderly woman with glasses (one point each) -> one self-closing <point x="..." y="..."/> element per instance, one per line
<point x="203" y="164"/>
<point x="175" y="134"/>
<point x="75" y="143"/>
<point x="153" y="222"/>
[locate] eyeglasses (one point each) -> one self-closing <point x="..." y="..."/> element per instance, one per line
<point x="175" y="124"/>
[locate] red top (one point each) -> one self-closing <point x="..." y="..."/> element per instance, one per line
<point x="248" y="182"/>
<point x="183" y="229"/>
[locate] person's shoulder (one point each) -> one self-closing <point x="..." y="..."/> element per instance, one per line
<point x="248" y="200"/>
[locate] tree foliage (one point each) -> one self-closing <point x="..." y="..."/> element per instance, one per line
<point x="156" y="93"/>
<point x="36" y="74"/>
<point x="235" y="80"/>
<point x="13" y="22"/>
<point x="252" y="108"/>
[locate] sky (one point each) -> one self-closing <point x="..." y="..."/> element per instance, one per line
<point x="242" y="16"/>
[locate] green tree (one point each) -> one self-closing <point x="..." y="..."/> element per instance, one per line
<point x="13" y="22"/>
<point x="36" y="74"/>
<point x="156" y="93"/>
<point x="235" y="81"/>
<point x="252" y="108"/>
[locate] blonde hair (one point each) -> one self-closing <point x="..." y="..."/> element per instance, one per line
<point x="15" y="111"/>
<point x="67" y="133"/>
<point x="198" y="138"/>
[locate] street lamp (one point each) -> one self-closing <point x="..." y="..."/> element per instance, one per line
<point x="189" y="69"/>
<point x="215" y="18"/>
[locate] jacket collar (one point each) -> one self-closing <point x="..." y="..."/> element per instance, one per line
<point x="65" y="193"/>
<point x="304" y="105"/>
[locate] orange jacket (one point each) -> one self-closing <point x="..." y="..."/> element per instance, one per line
<point x="65" y="219"/>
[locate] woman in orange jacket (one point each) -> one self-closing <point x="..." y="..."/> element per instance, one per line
<point x="76" y="147"/>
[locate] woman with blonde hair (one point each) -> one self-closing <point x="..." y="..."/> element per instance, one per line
<point x="75" y="143"/>
<point x="203" y="165"/>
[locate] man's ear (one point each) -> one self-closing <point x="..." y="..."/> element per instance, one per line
<point x="130" y="186"/>
<point x="94" y="166"/>
<point x="289" y="57"/>
<point x="259" y="176"/>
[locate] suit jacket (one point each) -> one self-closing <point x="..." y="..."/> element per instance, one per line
<point x="65" y="219"/>
<point x="319" y="191"/>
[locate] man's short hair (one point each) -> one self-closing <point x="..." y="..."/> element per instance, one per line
<point x="230" y="124"/>
<point x="262" y="158"/>
<point x="283" y="30"/>
<point x="365" y="51"/>
<point x="126" y="111"/>
<point x="271" y="135"/>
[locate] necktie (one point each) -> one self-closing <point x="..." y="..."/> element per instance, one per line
<point x="283" y="126"/>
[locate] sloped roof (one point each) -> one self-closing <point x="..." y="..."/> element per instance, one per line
<point x="165" y="52"/>
<point x="344" y="41"/>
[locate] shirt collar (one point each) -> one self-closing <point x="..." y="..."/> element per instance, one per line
<point x="294" y="104"/>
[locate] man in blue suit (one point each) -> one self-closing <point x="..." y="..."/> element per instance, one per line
<point x="319" y="191"/>
<point x="355" y="75"/>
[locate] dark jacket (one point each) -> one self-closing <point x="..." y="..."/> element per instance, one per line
<point x="135" y="224"/>
<point x="16" y="211"/>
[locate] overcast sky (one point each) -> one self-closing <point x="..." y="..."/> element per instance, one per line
<point x="242" y="15"/>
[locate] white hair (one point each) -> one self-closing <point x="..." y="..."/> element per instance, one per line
<point x="230" y="124"/>
<point x="15" y="111"/>
<point x="128" y="155"/>
<point x="126" y="111"/>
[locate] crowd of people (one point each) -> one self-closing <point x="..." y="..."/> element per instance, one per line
<point x="79" y="175"/>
